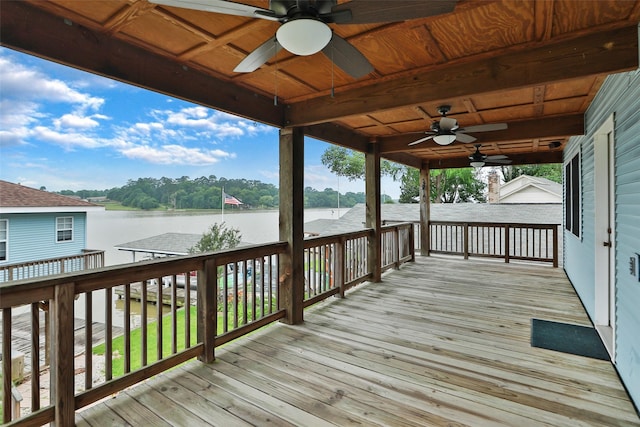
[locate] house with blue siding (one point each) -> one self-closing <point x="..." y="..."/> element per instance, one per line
<point x="38" y="225"/>
<point x="602" y="221"/>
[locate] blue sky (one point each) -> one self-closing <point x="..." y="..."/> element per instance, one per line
<point x="69" y="130"/>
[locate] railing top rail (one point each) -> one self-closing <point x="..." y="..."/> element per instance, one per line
<point x="496" y="224"/>
<point x="85" y="253"/>
<point x="402" y="224"/>
<point x="35" y="289"/>
<point x="310" y="242"/>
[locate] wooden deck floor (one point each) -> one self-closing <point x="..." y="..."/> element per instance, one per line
<point x="440" y="342"/>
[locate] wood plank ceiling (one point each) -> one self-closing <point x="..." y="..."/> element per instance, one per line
<point x="535" y="65"/>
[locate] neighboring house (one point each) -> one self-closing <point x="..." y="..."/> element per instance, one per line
<point x="38" y="225"/>
<point x="525" y="189"/>
<point x="602" y="220"/>
<point x="354" y="218"/>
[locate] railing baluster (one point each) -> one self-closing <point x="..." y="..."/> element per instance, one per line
<point x="35" y="356"/>
<point x="143" y="323"/>
<point x="127" y="328"/>
<point x="159" y="304"/>
<point x="108" y="334"/>
<point x="174" y="312"/>
<point x="88" y="340"/>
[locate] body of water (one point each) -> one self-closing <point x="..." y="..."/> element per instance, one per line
<point x="107" y="229"/>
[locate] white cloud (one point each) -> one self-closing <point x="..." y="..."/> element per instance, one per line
<point x="20" y="82"/>
<point x="67" y="140"/>
<point x="216" y="124"/>
<point x="75" y="121"/>
<point x="175" y="155"/>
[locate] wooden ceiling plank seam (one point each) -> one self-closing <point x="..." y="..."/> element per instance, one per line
<point x="27" y="28"/>
<point x="544" y="11"/>
<point x="472" y="110"/>
<point x="225" y="38"/>
<point x="432" y="44"/>
<point x="634" y="16"/>
<point x="526" y="129"/>
<point x="422" y="112"/>
<point x="538" y="99"/>
<point x="604" y="52"/>
<point x="126" y="15"/>
<point x="185" y="25"/>
<point x="595" y="87"/>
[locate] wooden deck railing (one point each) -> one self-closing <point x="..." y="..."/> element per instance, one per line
<point x="234" y="292"/>
<point x="529" y="242"/>
<point x="88" y="259"/>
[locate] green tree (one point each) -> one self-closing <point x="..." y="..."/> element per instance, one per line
<point x="216" y="238"/>
<point x="552" y="171"/>
<point x="351" y="164"/>
<point x="446" y="186"/>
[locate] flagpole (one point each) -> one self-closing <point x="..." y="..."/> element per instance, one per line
<point x="222" y="200"/>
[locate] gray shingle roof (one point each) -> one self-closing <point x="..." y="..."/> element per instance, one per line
<point x="534" y="213"/>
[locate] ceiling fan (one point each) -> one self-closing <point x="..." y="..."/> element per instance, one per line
<point x="305" y="29"/>
<point x="479" y="160"/>
<point x="447" y="130"/>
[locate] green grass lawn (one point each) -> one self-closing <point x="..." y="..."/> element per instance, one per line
<point x="117" y="345"/>
<point x="136" y="339"/>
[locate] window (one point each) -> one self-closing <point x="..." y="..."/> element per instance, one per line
<point x="4" y="236"/>
<point x="64" y="229"/>
<point x="572" y="195"/>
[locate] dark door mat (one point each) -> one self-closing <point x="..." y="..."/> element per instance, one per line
<point x="573" y="339"/>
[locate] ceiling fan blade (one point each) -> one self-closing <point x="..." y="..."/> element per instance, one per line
<point x="448" y="124"/>
<point x="347" y="57"/>
<point x="499" y="162"/>
<point x="220" y="6"/>
<point x="258" y="57"/>
<point x="464" y="138"/>
<point x="426" y="138"/>
<point x="485" y="128"/>
<point x="371" y="12"/>
<point x="497" y="157"/>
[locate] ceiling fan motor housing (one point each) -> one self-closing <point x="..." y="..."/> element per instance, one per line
<point x="297" y="8"/>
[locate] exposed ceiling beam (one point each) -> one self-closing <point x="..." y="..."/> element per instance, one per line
<point x="550" y="127"/>
<point x="541" y="157"/>
<point x="339" y="135"/>
<point x="592" y="54"/>
<point x="31" y="30"/>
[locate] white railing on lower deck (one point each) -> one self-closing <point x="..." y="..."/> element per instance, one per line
<point x="87" y="260"/>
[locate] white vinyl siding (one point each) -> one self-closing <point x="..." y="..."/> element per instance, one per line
<point x="64" y="229"/>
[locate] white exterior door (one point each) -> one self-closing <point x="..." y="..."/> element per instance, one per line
<point x="604" y="180"/>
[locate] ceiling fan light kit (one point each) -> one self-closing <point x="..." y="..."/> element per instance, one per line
<point x="444" y="139"/>
<point x="304" y="36"/>
<point x="477" y="164"/>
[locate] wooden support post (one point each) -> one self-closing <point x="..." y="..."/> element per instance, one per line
<point x="6" y="365"/>
<point x="207" y="290"/>
<point x="62" y="367"/>
<point x="425" y="211"/>
<point x="373" y="209"/>
<point x="291" y="280"/>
